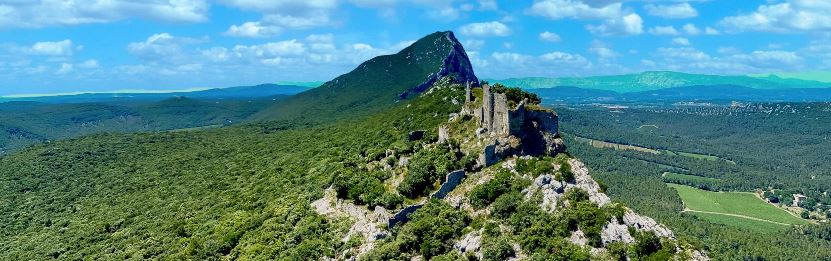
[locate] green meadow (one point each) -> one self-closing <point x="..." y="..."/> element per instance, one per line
<point x="740" y="209"/>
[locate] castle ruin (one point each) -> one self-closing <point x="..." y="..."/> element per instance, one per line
<point x="537" y="129"/>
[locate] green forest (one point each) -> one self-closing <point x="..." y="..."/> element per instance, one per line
<point x="766" y="148"/>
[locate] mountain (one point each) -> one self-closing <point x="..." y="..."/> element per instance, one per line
<point x="647" y="81"/>
<point x="402" y="162"/>
<point x="686" y="93"/>
<point x="381" y="82"/>
<point x="240" y="92"/>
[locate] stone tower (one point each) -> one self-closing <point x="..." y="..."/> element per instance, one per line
<point x="468" y="93"/>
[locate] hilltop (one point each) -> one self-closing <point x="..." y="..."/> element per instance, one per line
<point x="380" y="82"/>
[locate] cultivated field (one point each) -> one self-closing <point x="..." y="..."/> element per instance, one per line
<point x="742" y="209"/>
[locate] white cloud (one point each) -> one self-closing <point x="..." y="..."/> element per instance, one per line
<point x="488" y="5"/>
<point x="59" y="48"/>
<point x="576" y="9"/>
<point x="549" y="36"/>
<point x="801" y="15"/>
<point x="663" y="30"/>
<point x="711" y="31"/>
<point x="630" y="24"/>
<point x="731" y="61"/>
<point x="280" y="15"/>
<point x="41" y="13"/>
<point x="494" y="28"/>
<point x="64" y="69"/>
<point x="252" y="29"/>
<point x="681" y="41"/>
<point x="474" y="44"/>
<point x="603" y="52"/>
<point x="561" y="58"/>
<point x="161" y="47"/>
<point x="691" y="29"/>
<point x="675" y="11"/>
<point x="89" y="64"/>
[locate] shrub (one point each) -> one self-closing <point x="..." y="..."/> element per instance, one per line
<point x="506" y="205"/>
<point x="484" y="194"/>
<point x="426" y="167"/>
<point x="497" y="249"/>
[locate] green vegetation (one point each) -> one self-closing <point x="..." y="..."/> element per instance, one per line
<point x="773" y="146"/>
<point x="27" y="123"/>
<point x="364" y="188"/>
<point x="373" y="86"/>
<point x="236" y="192"/>
<point x="503" y="182"/>
<point x="429" y="233"/>
<point x="704" y="183"/>
<point x="735" y="203"/>
<point x="427" y="167"/>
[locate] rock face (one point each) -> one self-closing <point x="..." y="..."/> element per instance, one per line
<point x="455" y="65"/>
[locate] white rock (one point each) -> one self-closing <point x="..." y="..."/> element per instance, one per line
<point x="614" y="231"/>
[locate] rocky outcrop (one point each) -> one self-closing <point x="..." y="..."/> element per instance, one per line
<point x="644" y="223"/>
<point x="470" y="243"/>
<point x="368" y="224"/>
<point x="456" y="65"/>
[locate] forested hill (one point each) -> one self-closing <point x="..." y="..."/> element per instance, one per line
<point x="380" y="82"/>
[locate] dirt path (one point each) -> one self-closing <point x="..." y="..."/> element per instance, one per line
<point x="735" y="215"/>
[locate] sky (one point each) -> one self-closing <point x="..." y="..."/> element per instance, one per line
<point x="67" y="46"/>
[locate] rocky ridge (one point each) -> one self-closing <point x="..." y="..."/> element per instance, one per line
<point x="549" y="188"/>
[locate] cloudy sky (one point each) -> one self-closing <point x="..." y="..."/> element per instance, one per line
<point x="61" y="46"/>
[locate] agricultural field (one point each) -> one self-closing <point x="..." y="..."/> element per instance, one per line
<point x="742" y="209"/>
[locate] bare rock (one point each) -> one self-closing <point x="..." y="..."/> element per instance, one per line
<point x="614" y="231"/>
<point x="470" y="243"/>
<point x="444" y="134"/>
<point x="643" y="223"/>
<point x="578" y="238"/>
<point x="587" y="183"/>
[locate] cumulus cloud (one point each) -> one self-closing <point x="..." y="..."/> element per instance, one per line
<point x="253" y="29"/>
<point x="663" y="30"/>
<point x="616" y="20"/>
<point x="630" y="24"/>
<point x="576" y="9"/>
<point x="485" y="29"/>
<point x="687" y="58"/>
<point x="161" y="47"/>
<point x="801" y="15"/>
<point x="59" y="48"/>
<point x="512" y="64"/>
<point x="549" y="36"/>
<point x="681" y="41"/>
<point x="41" y="13"/>
<point x="280" y="15"/>
<point x="675" y="11"/>
<point x="64" y="69"/>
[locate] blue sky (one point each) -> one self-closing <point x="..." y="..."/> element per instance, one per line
<point x="64" y="46"/>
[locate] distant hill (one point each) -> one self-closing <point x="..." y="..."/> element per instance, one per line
<point x="570" y="94"/>
<point x="808" y="76"/>
<point x="240" y="92"/>
<point x="380" y="82"/>
<point x="27" y="123"/>
<point x="647" y="81"/>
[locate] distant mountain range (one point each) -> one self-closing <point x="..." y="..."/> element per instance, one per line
<point x="577" y="95"/>
<point x="648" y="81"/>
<point x="240" y="92"/>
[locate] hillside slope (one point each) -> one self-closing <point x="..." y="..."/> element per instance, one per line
<point x="380" y="82"/>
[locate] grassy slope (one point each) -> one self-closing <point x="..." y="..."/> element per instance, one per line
<point x="738" y="203"/>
